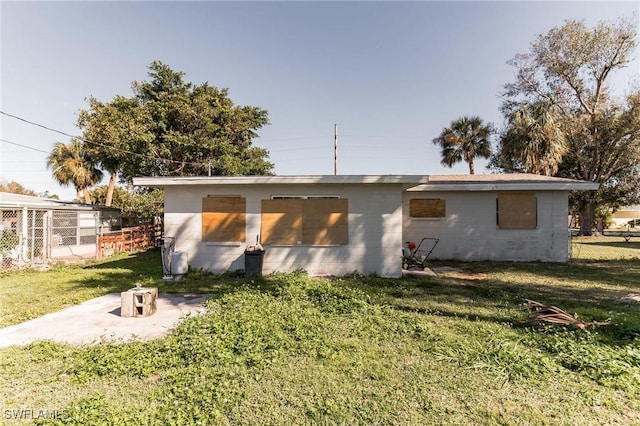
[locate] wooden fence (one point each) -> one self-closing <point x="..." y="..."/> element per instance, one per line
<point x="129" y="239"/>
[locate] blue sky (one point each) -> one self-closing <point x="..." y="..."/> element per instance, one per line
<point x="390" y="74"/>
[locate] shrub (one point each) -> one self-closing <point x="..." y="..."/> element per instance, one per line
<point x="9" y="240"/>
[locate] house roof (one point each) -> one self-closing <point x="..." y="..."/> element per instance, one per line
<point x="14" y="201"/>
<point x="488" y="182"/>
<point x="272" y="180"/>
<point x="499" y="182"/>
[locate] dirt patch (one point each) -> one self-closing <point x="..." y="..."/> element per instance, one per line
<point x="459" y="274"/>
<point x="419" y="273"/>
<point x="464" y="275"/>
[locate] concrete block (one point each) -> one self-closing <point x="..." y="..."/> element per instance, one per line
<point x="138" y="302"/>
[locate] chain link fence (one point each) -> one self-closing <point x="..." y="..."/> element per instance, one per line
<point x="30" y="237"/>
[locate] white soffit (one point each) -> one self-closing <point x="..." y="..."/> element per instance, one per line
<point x="277" y="180"/>
<point x="502" y="182"/>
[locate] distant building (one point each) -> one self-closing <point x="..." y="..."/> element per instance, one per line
<point x="626" y="216"/>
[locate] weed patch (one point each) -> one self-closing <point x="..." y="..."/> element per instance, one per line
<point x="290" y="349"/>
<point x="613" y="366"/>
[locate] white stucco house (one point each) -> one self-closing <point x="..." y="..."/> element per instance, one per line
<point x="335" y="225"/>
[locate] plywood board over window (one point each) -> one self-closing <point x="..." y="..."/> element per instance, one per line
<point x="313" y="221"/>
<point x="281" y="221"/>
<point x="224" y="219"/>
<point x="517" y="210"/>
<point x="427" y="208"/>
<point x="325" y="221"/>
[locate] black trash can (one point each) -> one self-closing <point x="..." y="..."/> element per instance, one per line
<point x="253" y="262"/>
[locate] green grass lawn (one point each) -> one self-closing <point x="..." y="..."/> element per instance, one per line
<point x="601" y="248"/>
<point x="289" y="349"/>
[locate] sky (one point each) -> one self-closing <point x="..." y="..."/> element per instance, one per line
<point x="391" y="75"/>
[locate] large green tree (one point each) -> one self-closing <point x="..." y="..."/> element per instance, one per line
<point x="465" y="139"/>
<point x="111" y="131"/>
<point x="170" y="127"/>
<point x="71" y="165"/>
<point x="562" y="93"/>
<point x="138" y="206"/>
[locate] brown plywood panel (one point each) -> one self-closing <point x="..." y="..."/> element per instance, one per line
<point x="224" y="219"/>
<point x="325" y="221"/>
<point x="281" y="221"/>
<point x="224" y="204"/>
<point x="517" y="210"/>
<point x="427" y="208"/>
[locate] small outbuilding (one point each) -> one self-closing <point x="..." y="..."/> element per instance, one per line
<point x="335" y="225"/>
<point x="34" y="230"/>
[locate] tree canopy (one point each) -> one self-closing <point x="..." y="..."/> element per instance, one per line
<point x="138" y="206"/>
<point x="532" y="141"/>
<point x="562" y="118"/>
<point x="14" y="187"/>
<point x="169" y="127"/>
<point x="465" y="139"/>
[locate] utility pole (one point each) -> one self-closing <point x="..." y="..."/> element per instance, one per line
<point x="335" y="149"/>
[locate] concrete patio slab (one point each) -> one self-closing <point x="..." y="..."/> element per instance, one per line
<point x="418" y="273"/>
<point x="98" y="318"/>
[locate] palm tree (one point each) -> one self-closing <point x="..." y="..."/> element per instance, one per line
<point x="466" y="139"/>
<point x="71" y="165"/>
<point x="534" y="139"/>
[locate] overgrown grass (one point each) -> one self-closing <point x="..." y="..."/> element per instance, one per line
<point x="289" y="349"/>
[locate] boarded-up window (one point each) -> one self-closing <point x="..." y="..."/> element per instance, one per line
<point x="281" y="221"/>
<point x="517" y="210"/>
<point x="325" y="221"/>
<point x="427" y="208"/>
<point x="224" y="219"/>
<point x="313" y="221"/>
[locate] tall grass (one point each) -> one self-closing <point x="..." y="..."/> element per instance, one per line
<point x="290" y="349"/>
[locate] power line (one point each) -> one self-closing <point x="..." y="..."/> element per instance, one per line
<point x="297" y="147"/>
<point x="294" y="138"/>
<point x="24" y="146"/>
<point x="36" y="124"/>
<point x="82" y="138"/>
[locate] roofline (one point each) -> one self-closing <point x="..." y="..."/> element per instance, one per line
<point x="271" y="180"/>
<point x="413" y="183"/>
<point x="20" y="201"/>
<point x="507" y="186"/>
<point x="62" y="206"/>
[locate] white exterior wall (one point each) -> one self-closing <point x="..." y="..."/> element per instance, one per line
<point x="622" y="217"/>
<point x="375" y="229"/>
<point x="469" y="230"/>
